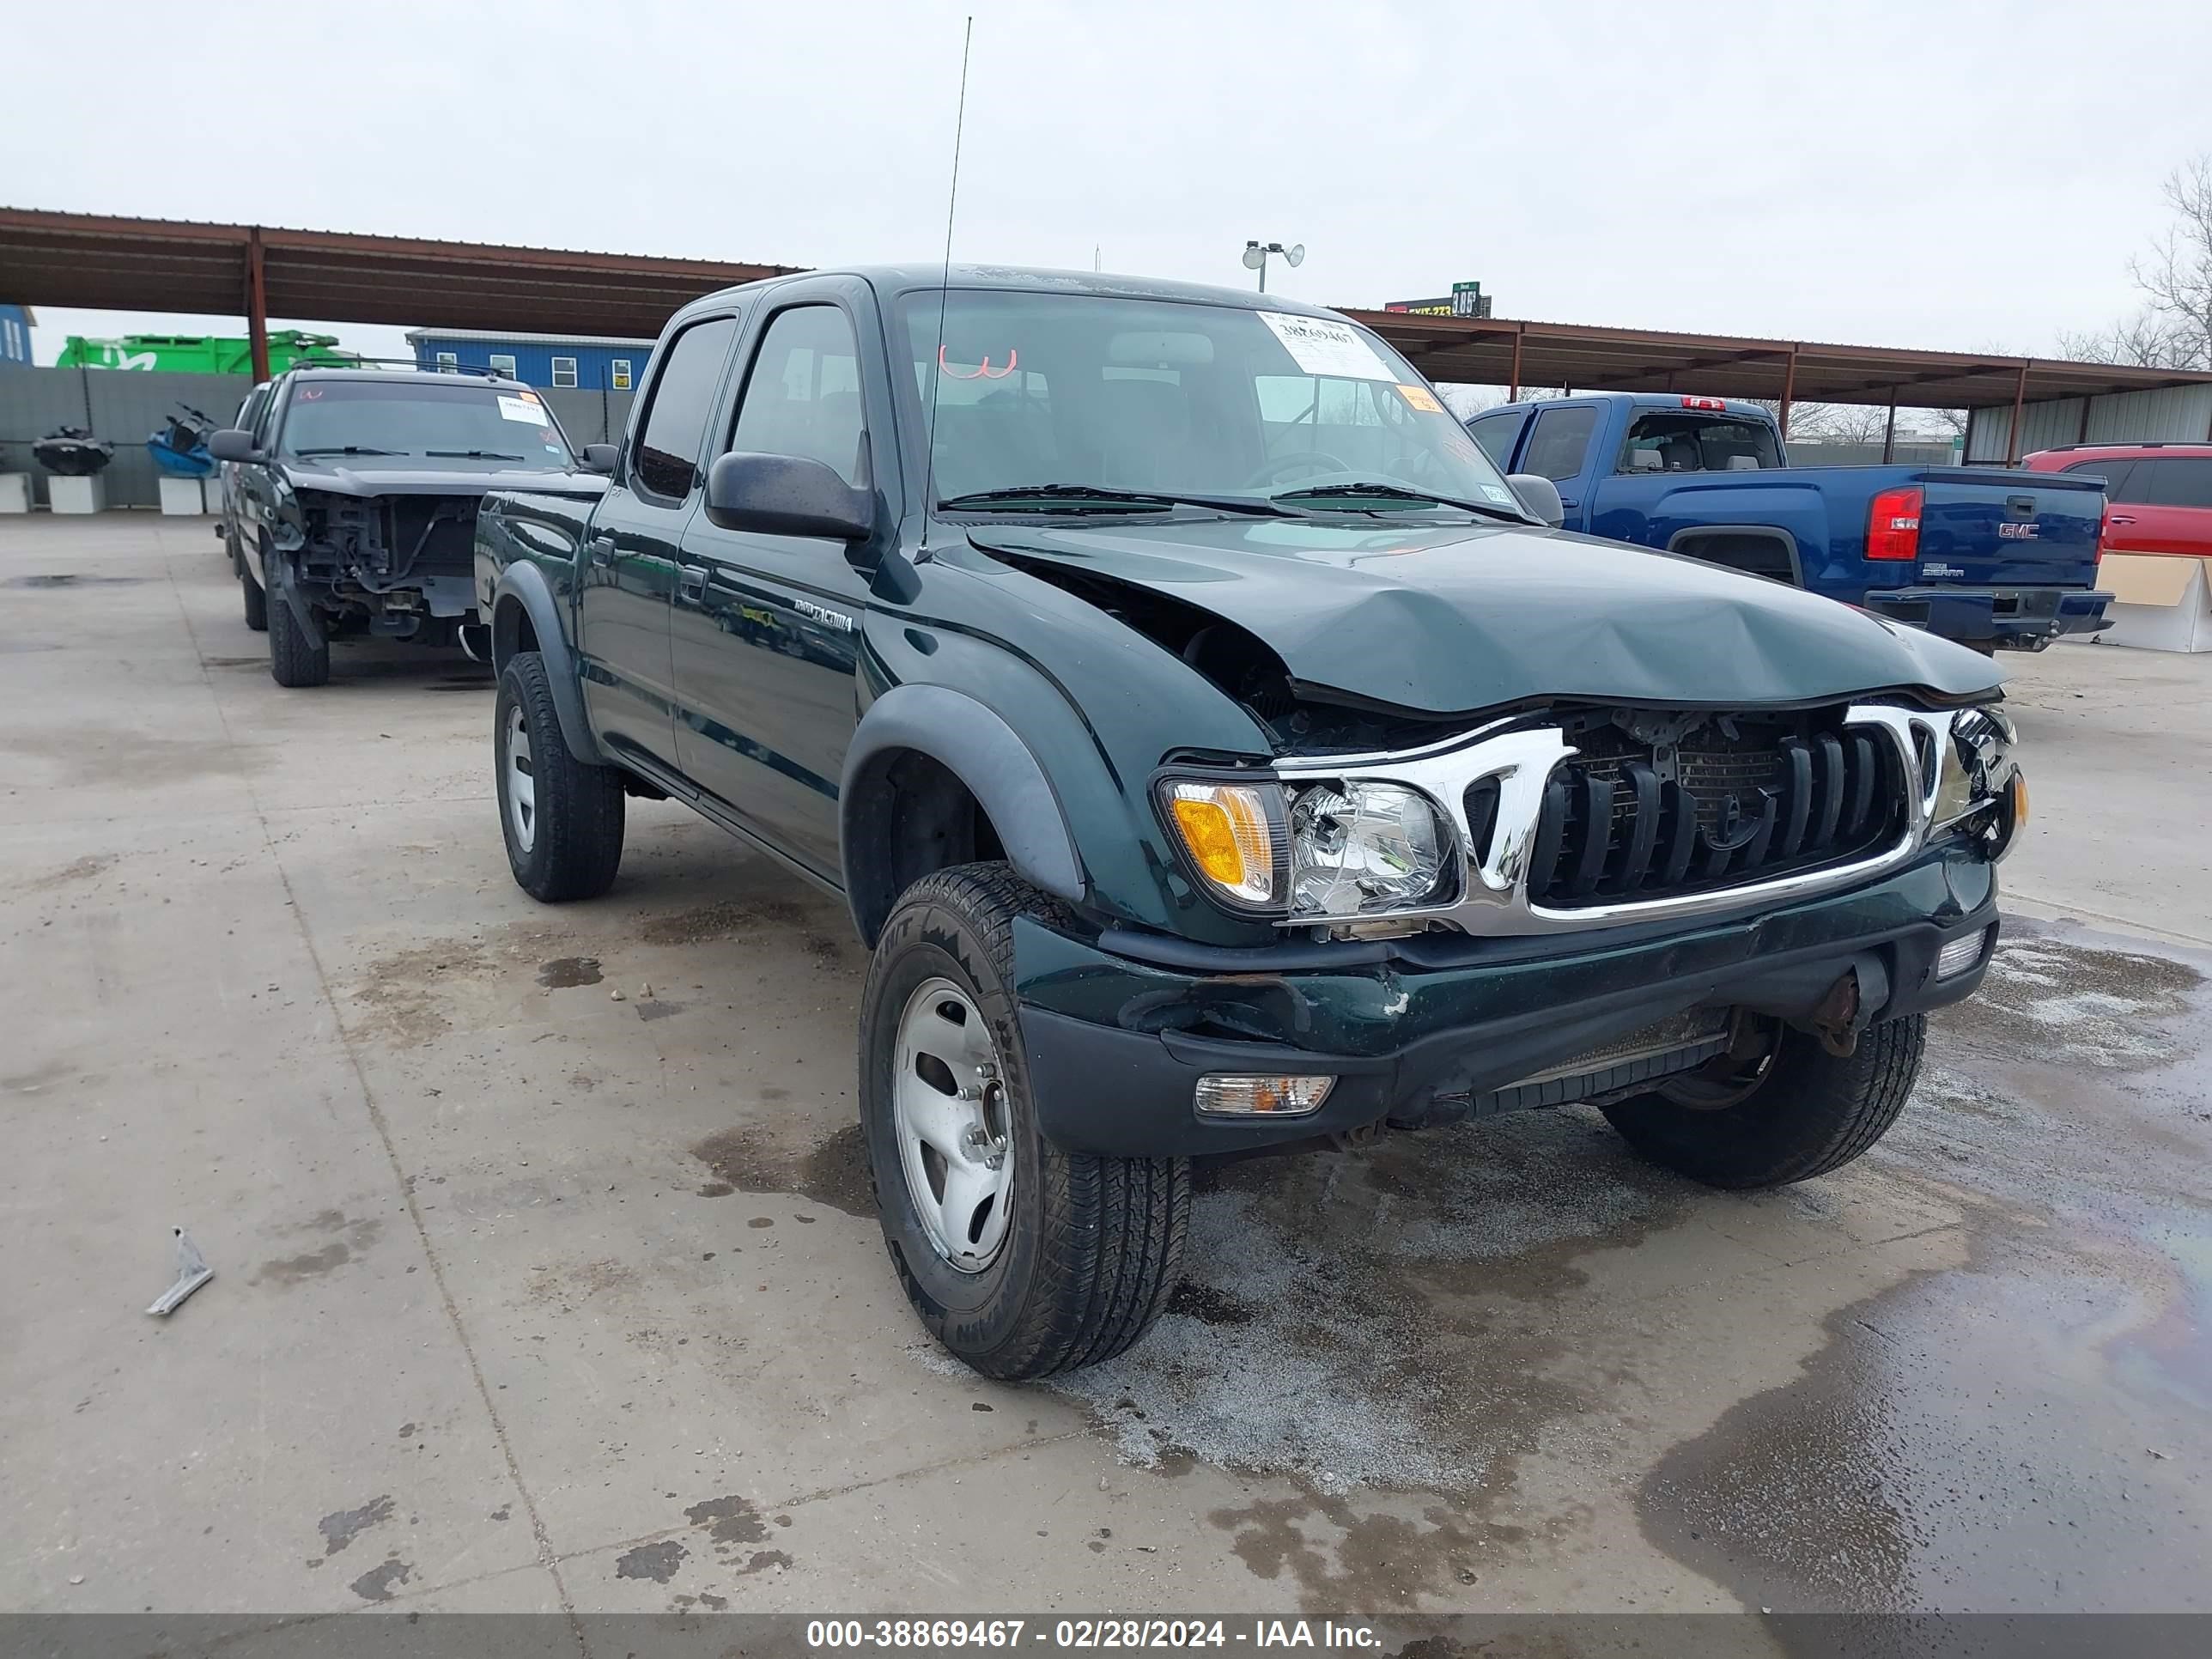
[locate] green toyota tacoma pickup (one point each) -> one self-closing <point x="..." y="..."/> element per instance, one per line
<point x="1218" y="754"/>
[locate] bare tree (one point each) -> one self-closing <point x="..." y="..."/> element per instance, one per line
<point x="2145" y="340"/>
<point x="1831" y="423"/>
<point x="2174" y="328"/>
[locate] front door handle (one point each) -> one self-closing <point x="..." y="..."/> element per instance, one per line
<point x="690" y="580"/>
<point x="602" y="548"/>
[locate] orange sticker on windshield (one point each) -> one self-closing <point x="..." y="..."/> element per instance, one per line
<point x="1421" y="399"/>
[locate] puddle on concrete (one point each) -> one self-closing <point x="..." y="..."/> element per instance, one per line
<point x="69" y="578"/>
<point x="726" y="920"/>
<point x="2028" y="1432"/>
<point x="756" y="1158"/>
<point x="112" y="757"/>
<point x="565" y="972"/>
<point x="1398" y="1295"/>
<point x="345" y="1239"/>
<point x="2073" y="1004"/>
<point x="84" y="869"/>
<point x="657" y="1562"/>
<point x="407" y="996"/>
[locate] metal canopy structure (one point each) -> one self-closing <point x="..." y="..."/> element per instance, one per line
<point x="254" y="270"/>
<point x="257" y="271"/>
<point x="1515" y="354"/>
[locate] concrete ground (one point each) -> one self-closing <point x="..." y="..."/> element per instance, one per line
<point x="546" y="1275"/>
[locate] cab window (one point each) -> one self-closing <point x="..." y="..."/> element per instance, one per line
<point x="803" y="397"/>
<point x="1665" y="441"/>
<point x="666" y="464"/>
<point x="1558" y="442"/>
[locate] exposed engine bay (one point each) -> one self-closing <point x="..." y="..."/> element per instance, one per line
<point x="396" y="565"/>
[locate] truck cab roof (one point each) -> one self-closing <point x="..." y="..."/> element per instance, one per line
<point x="1739" y="407"/>
<point x="891" y="280"/>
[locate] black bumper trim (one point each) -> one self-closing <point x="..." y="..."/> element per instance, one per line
<point x="1120" y="1092"/>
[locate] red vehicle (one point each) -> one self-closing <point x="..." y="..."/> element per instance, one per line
<point x="2160" y="494"/>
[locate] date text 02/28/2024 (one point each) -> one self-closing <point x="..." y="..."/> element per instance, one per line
<point x="1086" y="1633"/>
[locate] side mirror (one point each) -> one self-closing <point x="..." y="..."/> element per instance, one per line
<point x="1541" y="496"/>
<point x="598" y="458"/>
<point x="233" y="445"/>
<point x="786" y="495"/>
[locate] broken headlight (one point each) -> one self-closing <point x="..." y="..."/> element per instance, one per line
<point x="1976" y="764"/>
<point x="1980" y="780"/>
<point x="1362" y="849"/>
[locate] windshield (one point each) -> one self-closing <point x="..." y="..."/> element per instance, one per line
<point x="437" y="422"/>
<point x="1180" y="400"/>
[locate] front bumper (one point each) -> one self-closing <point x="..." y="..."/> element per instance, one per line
<point x="1115" y="1044"/>
<point x="2016" y="618"/>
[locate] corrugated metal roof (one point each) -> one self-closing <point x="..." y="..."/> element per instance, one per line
<point x="171" y="265"/>
<point x="1502" y="351"/>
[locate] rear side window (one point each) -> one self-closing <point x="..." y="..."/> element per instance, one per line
<point x="2179" y="481"/>
<point x="1666" y="442"/>
<point x="667" y="460"/>
<point x="2115" y="473"/>
<point x="1557" y="446"/>
<point x="1495" y="434"/>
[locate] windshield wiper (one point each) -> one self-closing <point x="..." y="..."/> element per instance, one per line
<point x="475" y="454"/>
<point x="1081" y="497"/>
<point x="349" y="449"/>
<point x="1400" y="493"/>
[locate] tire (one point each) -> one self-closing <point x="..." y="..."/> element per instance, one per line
<point x="256" y="603"/>
<point x="1088" y="1249"/>
<point x="1811" y="1114"/>
<point x="296" y="658"/>
<point x="567" y="843"/>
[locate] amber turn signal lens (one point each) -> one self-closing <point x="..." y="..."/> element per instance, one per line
<point x="1226" y="829"/>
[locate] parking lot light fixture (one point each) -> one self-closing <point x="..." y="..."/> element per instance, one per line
<point x="1256" y="257"/>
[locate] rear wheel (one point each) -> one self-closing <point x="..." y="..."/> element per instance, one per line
<point x="1788" y="1114"/>
<point x="561" y="819"/>
<point x="1022" y="1259"/>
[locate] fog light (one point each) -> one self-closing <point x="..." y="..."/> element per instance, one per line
<point x="1240" y="1095"/>
<point x="1960" y="954"/>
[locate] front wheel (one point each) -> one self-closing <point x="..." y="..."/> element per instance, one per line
<point x="561" y="819"/>
<point x="296" y="656"/>
<point x="1794" y="1112"/>
<point x="1022" y="1259"/>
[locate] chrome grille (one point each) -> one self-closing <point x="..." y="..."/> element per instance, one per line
<point x="1728" y="803"/>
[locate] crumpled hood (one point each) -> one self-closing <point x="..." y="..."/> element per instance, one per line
<point x="1455" y="618"/>
<point x="363" y="481"/>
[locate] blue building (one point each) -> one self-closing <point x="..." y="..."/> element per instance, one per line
<point x="592" y="362"/>
<point x="16" y="337"/>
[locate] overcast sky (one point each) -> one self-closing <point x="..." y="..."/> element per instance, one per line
<point x="1964" y="176"/>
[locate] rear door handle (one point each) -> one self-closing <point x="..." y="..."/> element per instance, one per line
<point x="2120" y="518"/>
<point x="691" y="581"/>
<point x="602" y="548"/>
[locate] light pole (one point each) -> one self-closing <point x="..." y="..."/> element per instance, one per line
<point x="1256" y="257"/>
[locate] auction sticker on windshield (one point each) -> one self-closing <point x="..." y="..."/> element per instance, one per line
<point x="516" y="409"/>
<point x="1322" y="345"/>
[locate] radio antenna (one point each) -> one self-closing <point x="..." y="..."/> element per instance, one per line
<point x="944" y="292"/>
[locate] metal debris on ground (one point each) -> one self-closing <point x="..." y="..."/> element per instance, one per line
<point x="192" y="1272"/>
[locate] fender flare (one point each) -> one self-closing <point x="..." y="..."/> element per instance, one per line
<point x="980" y="750"/>
<point x="278" y="576"/>
<point x="525" y="584"/>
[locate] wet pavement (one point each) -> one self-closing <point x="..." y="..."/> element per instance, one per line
<point x="547" y="1275"/>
